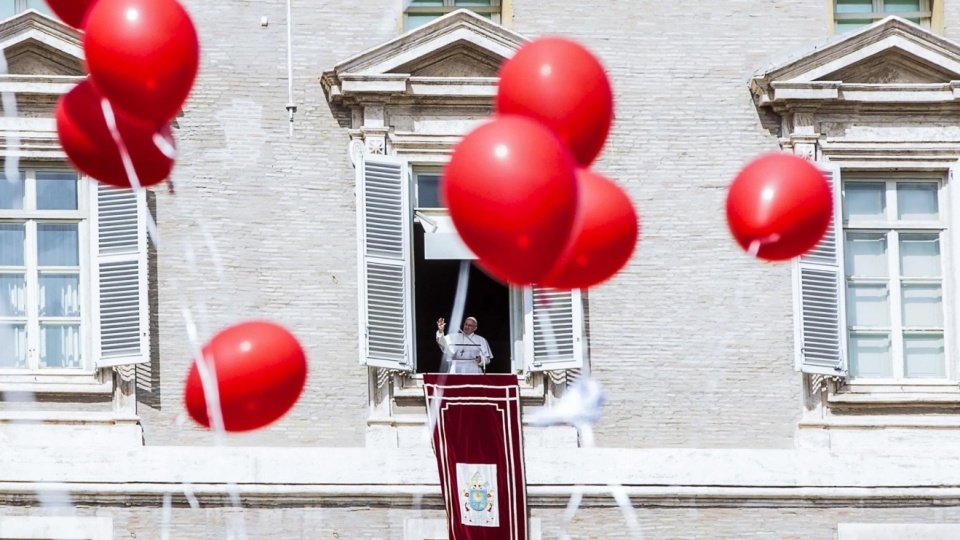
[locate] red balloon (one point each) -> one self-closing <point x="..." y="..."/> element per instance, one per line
<point x="72" y="12"/>
<point x="89" y="145"/>
<point x="261" y="370"/>
<point x="143" y="55"/>
<point x="604" y="235"/>
<point x="562" y="84"/>
<point x="779" y="206"/>
<point x="511" y="189"/>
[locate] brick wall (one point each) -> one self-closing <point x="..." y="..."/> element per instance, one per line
<point x="700" y="356"/>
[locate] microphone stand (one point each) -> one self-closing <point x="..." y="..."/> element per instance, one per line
<point x="483" y="366"/>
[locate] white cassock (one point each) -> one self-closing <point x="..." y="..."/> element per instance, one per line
<point x="464" y="350"/>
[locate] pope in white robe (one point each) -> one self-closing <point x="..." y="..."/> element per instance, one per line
<point x="468" y="352"/>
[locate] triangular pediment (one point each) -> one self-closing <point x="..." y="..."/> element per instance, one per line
<point x="893" y="66"/>
<point x="890" y="52"/>
<point x="460" y="44"/>
<point x="459" y="60"/>
<point x="35" y="44"/>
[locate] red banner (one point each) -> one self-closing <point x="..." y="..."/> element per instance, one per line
<point x="479" y="450"/>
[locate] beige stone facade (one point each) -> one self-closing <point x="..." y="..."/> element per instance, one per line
<point x="708" y="425"/>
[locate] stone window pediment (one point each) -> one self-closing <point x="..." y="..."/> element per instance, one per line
<point x="36" y="45"/>
<point x="891" y="62"/>
<point x="455" y="57"/>
<point x="876" y="107"/>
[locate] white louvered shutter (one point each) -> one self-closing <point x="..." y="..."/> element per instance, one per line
<point x="120" y="281"/>
<point x="553" y="329"/>
<point x="385" y="220"/>
<point x="819" y="297"/>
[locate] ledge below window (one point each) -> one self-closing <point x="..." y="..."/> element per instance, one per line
<point x="931" y="396"/>
<point x="84" y="383"/>
<point x="409" y="388"/>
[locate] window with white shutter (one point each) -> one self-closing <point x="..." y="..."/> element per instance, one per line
<point x="45" y="315"/>
<point x="121" y="282"/>
<point x="819" y="292"/>
<point x="553" y="329"/>
<point x="873" y="297"/>
<point x="533" y="329"/>
<point x="73" y="278"/>
<point x="384" y="222"/>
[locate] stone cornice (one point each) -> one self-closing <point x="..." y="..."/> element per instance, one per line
<point x="368" y="476"/>
<point x="427" y="497"/>
<point x="403" y="89"/>
<point x="828" y="76"/>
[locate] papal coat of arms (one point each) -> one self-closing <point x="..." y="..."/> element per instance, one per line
<point x="478" y="489"/>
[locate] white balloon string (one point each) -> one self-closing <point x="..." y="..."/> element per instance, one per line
<point x="164" y="146"/>
<point x="754" y="248"/>
<point x="128" y="168"/>
<point x="433" y="402"/>
<point x="206" y="370"/>
<point x="459" y="303"/>
<point x="165" y="517"/>
<point x="58" y="499"/>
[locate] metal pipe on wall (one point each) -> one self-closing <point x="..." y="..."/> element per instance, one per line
<point x="291" y="106"/>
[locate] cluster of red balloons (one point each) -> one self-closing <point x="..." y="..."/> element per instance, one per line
<point x="779" y="206"/>
<point x="143" y="57"/>
<point x="519" y="188"/>
<point x="260" y="370"/>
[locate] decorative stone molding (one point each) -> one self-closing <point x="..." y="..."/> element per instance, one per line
<point x="436" y="529"/>
<point x="892" y="69"/>
<point x="671" y="477"/>
<point x="455" y="57"/>
<point x="417" y="94"/>
<point x="60" y="528"/>
<point x="44" y="61"/>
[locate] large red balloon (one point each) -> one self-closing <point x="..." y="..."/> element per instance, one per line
<point x="143" y="55"/>
<point x="72" y="12"/>
<point x="89" y="145"/>
<point x="261" y="370"/>
<point x="603" y="238"/>
<point x="779" y="206"/>
<point x="511" y="189"/>
<point x="560" y="83"/>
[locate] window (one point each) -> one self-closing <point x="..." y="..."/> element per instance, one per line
<point x="852" y="14"/>
<point x="43" y="300"/>
<point x="72" y="276"/>
<point x="872" y="300"/>
<point x="9" y="8"/>
<point x="410" y="258"/>
<point x="420" y="12"/>
<point x="437" y="256"/>
<point x="894" y="233"/>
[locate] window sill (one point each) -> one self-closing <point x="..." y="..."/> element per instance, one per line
<point x="66" y="417"/>
<point x="83" y="383"/>
<point x="898" y="398"/>
<point x="410" y="388"/>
